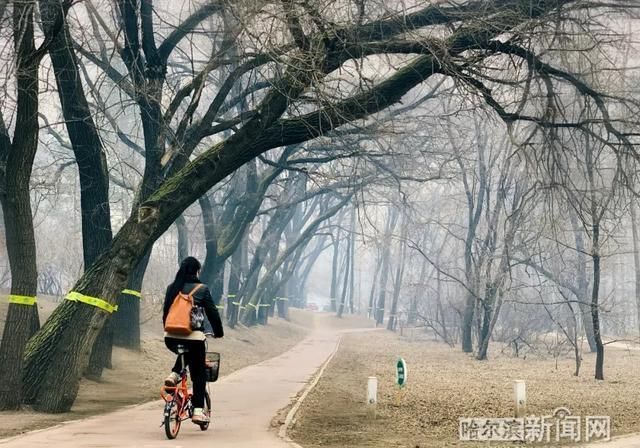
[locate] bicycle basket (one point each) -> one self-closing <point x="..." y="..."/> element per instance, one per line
<point x="213" y="366"/>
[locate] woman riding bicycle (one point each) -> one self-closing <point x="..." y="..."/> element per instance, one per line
<point x="187" y="282"/>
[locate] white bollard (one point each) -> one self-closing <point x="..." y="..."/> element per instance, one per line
<point x="520" y="397"/>
<point x="372" y="390"/>
<point x="372" y="397"/>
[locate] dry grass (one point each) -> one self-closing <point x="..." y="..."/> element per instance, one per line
<point x="137" y="376"/>
<point x="444" y="384"/>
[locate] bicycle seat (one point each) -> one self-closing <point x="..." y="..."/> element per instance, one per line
<point x="181" y="349"/>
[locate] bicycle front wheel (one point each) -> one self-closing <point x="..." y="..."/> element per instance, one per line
<point x="172" y="419"/>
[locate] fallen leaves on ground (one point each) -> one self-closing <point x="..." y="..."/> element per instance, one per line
<point x="444" y="384"/>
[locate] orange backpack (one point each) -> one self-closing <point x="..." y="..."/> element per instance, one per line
<point x="179" y="317"/>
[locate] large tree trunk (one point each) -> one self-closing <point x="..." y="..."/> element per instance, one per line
<point x="126" y="322"/>
<point x="57" y="356"/>
<point x="249" y="293"/>
<point x="595" y="306"/>
<point x="583" y="283"/>
<point x="596" y="216"/>
<point x="371" y="311"/>
<point x="335" y="279"/>
<point x="86" y="143"/>
<point x="440" y="316"/>
<point x="382" y="293"/>
<point x="492" y="311"/>
<point x="213" y="267"/>
<point x="412" y="316"/>
<point x="489" y="311"/>
<point x="123" y="328"/>
<point x="475" y="207"/>
<point x="22" y="319"/>
<point x="261" y="257"/>
<point x="147" y="76"/>
<point x="352" y="265"/>
<point x="347" y="288"/>
<point x="282" y="302"/>
<point x="183" y="238"/>
<point x="233" y="306"/>
<point x="392" y="219"/>
<point x="397" y="287"/>
<point x="101" y="353"/>
<point x="90" y="158"/>
<point x="210" y="264"/>
<point x="467" y="323"/>
<point x="347" y="272"/>
<point x="216" y="284"/>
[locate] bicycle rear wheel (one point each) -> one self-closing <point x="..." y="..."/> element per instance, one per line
<point x="207" y="411"/>
<point x="172" y="419"/>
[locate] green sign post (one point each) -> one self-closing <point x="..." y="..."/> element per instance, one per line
<point x="401" y="380"/>
<point x="401" y="373"/>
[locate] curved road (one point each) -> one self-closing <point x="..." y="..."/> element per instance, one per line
<point x="244" y="404"/>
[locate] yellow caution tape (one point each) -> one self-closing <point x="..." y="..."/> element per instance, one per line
<point x="131" y="292"/>
<point x="231" y="295"/>
<point x="220" y="307"/>
<point x="235" y="303"/>
<point x="265" y="304"/>
<point x="22" y="300"/>
<point x="74" y="296"/>
<point x="284" y="299"/>
<point x="251" y="304"/>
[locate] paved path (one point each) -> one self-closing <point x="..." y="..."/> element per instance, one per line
<point x="243" y="405"/>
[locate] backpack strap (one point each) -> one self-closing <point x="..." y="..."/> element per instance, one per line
<point x="194" y="290"/>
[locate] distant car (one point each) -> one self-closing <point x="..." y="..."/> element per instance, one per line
<point x="312" y="307"/>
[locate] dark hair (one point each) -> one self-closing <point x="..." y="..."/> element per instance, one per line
<point x="188" y="273"/>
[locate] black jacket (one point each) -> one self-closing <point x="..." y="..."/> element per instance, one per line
<point x="201" y="298"/>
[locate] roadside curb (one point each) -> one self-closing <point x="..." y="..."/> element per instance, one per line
<point x="282" y="432"/>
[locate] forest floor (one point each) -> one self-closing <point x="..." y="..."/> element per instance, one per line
<point x="136" y="376"/>
<point x="445" y="385"/>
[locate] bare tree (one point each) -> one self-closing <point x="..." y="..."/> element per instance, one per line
<point x="301" y="100"/>
<point x="16" y="162"/>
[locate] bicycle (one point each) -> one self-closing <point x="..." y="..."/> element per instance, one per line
<point x="178" y="406"/>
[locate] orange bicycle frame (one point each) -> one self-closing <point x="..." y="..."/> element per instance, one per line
<point x="181" y="391"/>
